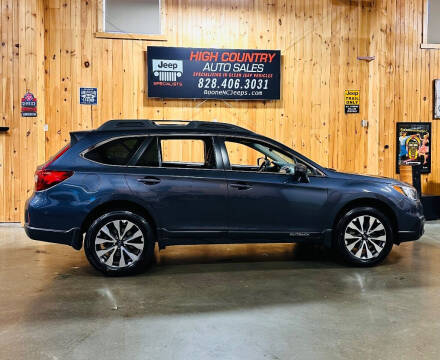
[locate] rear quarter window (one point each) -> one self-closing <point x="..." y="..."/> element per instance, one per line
<point x="115" y="152"/>
<point x="150" y="157"/>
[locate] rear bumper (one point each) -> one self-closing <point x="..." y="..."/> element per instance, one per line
<point x="47" y="220"/>
<point x="70" y="237"/>
<point x="412" y="235"/>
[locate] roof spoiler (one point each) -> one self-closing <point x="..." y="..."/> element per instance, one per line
<point x="77" y="136"/>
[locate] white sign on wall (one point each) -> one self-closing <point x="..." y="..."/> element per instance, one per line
<point x="437" y="99"/>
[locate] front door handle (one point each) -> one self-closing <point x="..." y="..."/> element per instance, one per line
<point x="241" y="186"/>
<point x="149" y="180"/>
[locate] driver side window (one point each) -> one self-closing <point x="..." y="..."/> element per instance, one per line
<point x="242" y="157"/>
<point x="246" y="155"/>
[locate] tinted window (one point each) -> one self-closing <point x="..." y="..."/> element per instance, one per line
<point x="150" y="157"/>
<point x="115" y="152"/>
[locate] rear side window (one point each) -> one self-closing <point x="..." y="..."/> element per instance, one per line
<point x="115" y="152"/>
<point x="192" y="153"/>
<point x="183" y="151"/>
<point x="187" y="153"/>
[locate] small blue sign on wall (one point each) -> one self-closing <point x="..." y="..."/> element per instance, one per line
<point x="88" y="96"/>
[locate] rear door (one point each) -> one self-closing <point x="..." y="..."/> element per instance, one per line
<point x="181" y="178"/>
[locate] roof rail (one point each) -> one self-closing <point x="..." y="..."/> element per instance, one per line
<point x="113" y="125"/>
<point x="126" y="125"/>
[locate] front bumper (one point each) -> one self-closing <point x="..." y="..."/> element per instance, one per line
<point x="70" y="237"/>
<point x="412" y="235"/>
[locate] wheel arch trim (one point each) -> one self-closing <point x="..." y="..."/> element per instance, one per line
<point x="119" y="204"/>
<point x="374" y="202"/>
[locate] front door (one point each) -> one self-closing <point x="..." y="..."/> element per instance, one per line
<point x="265" y="200"/>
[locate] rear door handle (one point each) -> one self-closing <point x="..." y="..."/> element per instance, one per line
<point x="241" y="186"/>
<point x="149" y="180"/>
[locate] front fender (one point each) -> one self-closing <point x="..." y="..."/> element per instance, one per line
<point x="339" y="197"/>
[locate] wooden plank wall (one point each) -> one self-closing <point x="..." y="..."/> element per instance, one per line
<point x="320" y="41"/>
<point x="301" y="29"/>
<point x="21" y="69"/>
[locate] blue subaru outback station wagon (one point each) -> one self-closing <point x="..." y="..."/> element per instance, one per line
<point x="131" y="183"/>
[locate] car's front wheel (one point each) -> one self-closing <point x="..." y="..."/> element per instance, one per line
<point x="364" y="236"/>
<point x="119" y="243"/>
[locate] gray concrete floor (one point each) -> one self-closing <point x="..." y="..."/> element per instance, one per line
<point x="220" y="302"/>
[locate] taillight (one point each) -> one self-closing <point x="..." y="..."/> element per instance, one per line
<point x="44" y="179"/>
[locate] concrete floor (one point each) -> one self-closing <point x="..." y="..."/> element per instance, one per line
<point x="220" y="302"/>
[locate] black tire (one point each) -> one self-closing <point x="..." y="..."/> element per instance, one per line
<point x="363" y="252"/>
<point x="122" y="256"/>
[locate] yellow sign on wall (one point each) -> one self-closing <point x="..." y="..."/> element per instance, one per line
<point x="352" y="101"/>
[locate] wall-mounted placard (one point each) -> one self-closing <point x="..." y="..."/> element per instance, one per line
<point x="28" y="105"/>
<point x="352" y="101"/>
<point x="413" y="145"/>
<point x="437" y="99"/>
<point x="200" y="73"/>
<point x="88" y="96"/>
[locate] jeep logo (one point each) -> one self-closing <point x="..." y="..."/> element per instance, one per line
<point x="167" y="70"/>
<point x="168" y="65"/>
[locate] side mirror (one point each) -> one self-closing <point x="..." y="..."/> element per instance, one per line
<point x="300" y="173"/>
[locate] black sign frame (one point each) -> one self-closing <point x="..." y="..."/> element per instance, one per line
<point x="209" y="73"/>
<point x="411" y="135"/>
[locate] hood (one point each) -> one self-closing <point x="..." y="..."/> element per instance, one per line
<point x="357" y="177"/>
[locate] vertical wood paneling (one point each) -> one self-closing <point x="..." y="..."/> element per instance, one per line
<point x="46" y="46"/>
<point x="374" y="18"/>
<point x="21" y="70"/>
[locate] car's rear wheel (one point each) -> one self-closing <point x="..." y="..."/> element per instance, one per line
<point x="364" y="236"/>
<point x="120" y="243"/>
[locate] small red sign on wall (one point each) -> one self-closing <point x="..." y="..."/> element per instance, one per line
<point x="28" y="105"/>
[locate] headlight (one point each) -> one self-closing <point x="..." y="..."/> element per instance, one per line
<point x="407" y="191"/>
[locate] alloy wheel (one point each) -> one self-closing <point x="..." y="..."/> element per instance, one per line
<point x="119" y="244"/>
<point x="365" y="237"/>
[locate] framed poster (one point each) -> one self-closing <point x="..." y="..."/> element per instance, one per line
<point x="437" y="99"/>
<point x="205" y="73"/>
<point x="413" y="145"/>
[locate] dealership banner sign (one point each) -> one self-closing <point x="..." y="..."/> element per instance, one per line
<point x="200" y="73"/>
